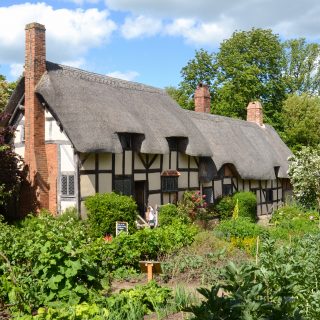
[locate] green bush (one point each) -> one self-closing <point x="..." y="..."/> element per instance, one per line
<point x="293" y="221"/>
<point x="105" y="209"/>
<point x="240" y="228"/>
<point x="46" y="259"/>
<point x="224" y="207"/>
<point x="168" y="214"/>
<point x="247" y="204"/>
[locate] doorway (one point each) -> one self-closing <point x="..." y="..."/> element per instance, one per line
<point x="140" y="195"/>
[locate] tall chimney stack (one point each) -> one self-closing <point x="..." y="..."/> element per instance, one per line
<point x="35" y="150"/>
<point x="202" y="99"/>
<point x="255" y="113"/>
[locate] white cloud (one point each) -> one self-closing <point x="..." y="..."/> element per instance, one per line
<point x="129" y="75"/>
<point x="140" y="26"/>
<point x="16" y="70"/>
<point x="288" y="18"/>
<point x="78" y="63"/>
<point x="199" y="33"/>
<point x="70" y="33"/>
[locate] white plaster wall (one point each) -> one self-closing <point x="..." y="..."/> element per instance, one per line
<point x="194" y="179"/>
<point x="67" y="162"/>
<point x="140" y="177"/>
<point x="52" y="130"/>
<point x="118" y="163"/>
<point x="128" y="162"/>
<point x="156" y="163"/>
<point x="105" y="182"/>
<point x="67" y="204"/>
<point x="183" y="180"/>
<point x="173" y="160"/>
<point x="183" y="160"/>
<point x="137" y="163"/>
<point x="154" y="199"/>
<point x="87" y="161"/>
<point x="154" y="181"/>
<point x="87" y="185"/>
<point x="105" y="161"/>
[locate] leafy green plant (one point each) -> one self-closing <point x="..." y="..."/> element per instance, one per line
<point x="224" y="207"/>
<point x="247" y="204"/>
<point x="105" y="209"/>
<point x="240" y="228"/>
<point x="168" y="214"/>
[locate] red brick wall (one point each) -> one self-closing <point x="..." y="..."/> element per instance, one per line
<point x="52" y="156"/>
<point x="35" y="150"/>
<point x="202" y="99"/>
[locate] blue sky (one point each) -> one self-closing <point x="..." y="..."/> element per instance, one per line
<point x="147" y="41"/>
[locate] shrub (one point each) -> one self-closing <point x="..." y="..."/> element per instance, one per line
<point x="247" y="204"/>
<point x="240" y="228"/>
<point x="167" y="214"/>
<point x="293" y="220"/>
<point x="46" y="259"/>
<point x="224" y="207"/>
<point x="105" y="209"/>
<point x="192" y="205"/>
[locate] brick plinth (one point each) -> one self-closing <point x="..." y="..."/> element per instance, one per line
<point x="255" y="113"/>
<point x="202" y="99"/>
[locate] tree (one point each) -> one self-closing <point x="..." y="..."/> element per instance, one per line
<point x="249" y="67"/>
<point x="301" y="66"/>
<point x="304" y="173"/>
<point x="11" y="174"/>
<point x="199" y="69"/>
<point x="6" y="89"/>
<point x="180" y="97"/>
<point x="301" y="119"/>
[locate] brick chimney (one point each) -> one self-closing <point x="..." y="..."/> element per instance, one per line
<point x="255" y="113"/>
<point x="202" y="99"/>
<point x="35" y="148"/>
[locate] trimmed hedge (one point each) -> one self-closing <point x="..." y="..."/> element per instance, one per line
<point x="107" y="208"/>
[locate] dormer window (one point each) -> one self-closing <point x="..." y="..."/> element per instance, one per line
<point x="177" y="143"/>
<point x="130" y="141"/>
<point x="125" y="140"/>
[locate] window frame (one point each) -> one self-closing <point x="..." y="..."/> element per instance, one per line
<point x="164" y="184"/>
<point x="123" y="178"/>
<point x="69" y="175"/>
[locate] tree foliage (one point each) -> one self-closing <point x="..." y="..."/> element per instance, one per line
<point x="301" y="118"/>
<point x="11" y="174"/>
<point x="6" y="89"/>
<point x="304" y="173"/>
<point x="249" y="67"/>
<point x="301" y="66"/>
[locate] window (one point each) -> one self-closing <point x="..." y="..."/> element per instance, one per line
<point x="173" y="144"/>
<point x="208" y="192"/>
<point x="123" y="185"/>
<point x="227" y="190"/>
<point x="67" y="185"/>
<point x="126" y="140"/>
<point x="269" y="195"/>
<point x="169" y="183"/>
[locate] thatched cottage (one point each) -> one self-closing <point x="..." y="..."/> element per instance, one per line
<point x="82" y="133"/>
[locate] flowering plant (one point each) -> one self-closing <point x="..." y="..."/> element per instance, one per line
<point x="193" y="203"/>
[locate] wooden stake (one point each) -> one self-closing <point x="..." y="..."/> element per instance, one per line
<point x="257" y="250"/>
<point x="149" y="269"/>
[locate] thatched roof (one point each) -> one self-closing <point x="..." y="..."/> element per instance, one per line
<point x="255" y="151"/>
<point x="92" y="109"/>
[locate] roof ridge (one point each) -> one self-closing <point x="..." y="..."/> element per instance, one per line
<point x="218" y="116"/>
<point x="99" y="78"/>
